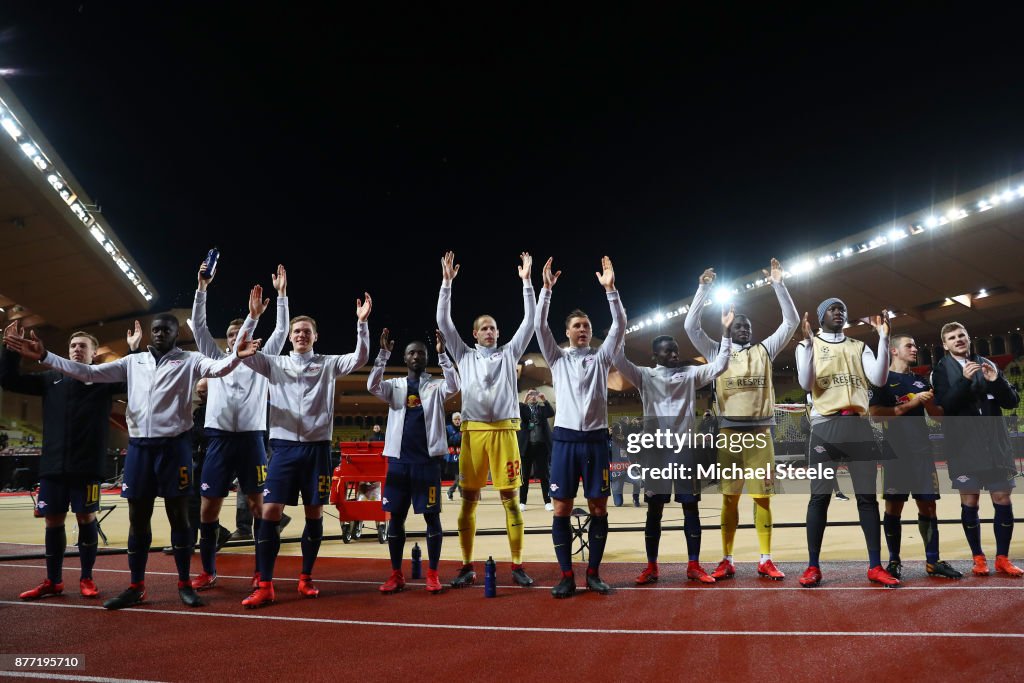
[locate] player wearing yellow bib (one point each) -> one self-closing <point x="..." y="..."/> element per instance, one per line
<point x="746" y="404"/>
<point x="837" y="371"/>
<point x="490" y="416"/>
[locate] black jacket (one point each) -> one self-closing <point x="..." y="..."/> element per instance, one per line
<point x="979" y="447"/>
<point x="525" y="415"/>
<point x="75" y="418"/>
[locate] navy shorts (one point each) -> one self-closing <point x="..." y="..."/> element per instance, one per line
<point x="298" y="467"/>
<point x="684" y="486"/>
<point x="968" y="483"/>
<point x="158" y="467"/>
<point x="58" y="493"/>
<point x="230" y="455"/>
<point x="849" y="441"/>
<point x="576" y="454"/>
<point x="911" y="473"/>
<point x="411" y="483"/>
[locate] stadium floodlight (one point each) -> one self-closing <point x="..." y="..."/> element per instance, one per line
<point x="528" y="361"/>
<point x="847" y="251"/>
<point x="931" y="222"/>
<point x="11" y="127"/>
<point x="97" y="234"/>
<point x="109" y="248"/>
<point x="804" y="266"/>
<point x="658" y="317"/>
<point x="648" y="322"/>
<point x="681" y="309"/>
<point x="640" y="324"/>
<point x="982" y="293"/>
<point x="29" y="149"/>
<point x="722" y="295"/>
<point x="1007" y="196"/>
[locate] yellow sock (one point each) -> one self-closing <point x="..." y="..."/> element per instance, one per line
<point x="730" y="520"/>
<point x="763" y="524"/>
<point x="467" y="529"/>
<point x="514" y="525"/>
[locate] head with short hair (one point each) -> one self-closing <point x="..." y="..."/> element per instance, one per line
<point x="202" y="389"/>
<point x="82" y="347"/>
<point x="665" y="351"/>
<point x="531" y="396"/>
<point x="955" y="339"/>
<point x="376" y="429"/>
<point x="163" y="332"/>
<point x="232" y="334"/>
<point x="302" y="333"/>
<point x="578" y="329"/>
<point x="741" y="330"/>
<point x="456" y="419"/>
<point x="903" y="347"/>
<point x="416" y="356"/>
<point x="485" y="330"/>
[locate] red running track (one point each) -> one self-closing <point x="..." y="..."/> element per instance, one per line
<point x="746" y="629"/>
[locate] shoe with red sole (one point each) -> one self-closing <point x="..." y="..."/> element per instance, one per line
<point x="307" y="588"/>
<point x="395" y="582"/>
<point x="648" y="575"/>
<point x="724" y="570"/>
<point x="433" y="582"/>
<point x="768" y="570"/>
<point x="261" y="597"/>
<point x="811" y="577"/>
<point x="1004" y="566"/>
<point x="695" y="572"/>
<point x="877" y="574"/>
<point x="43" y="590"/>
<point x="980" y="566"/>
<point x="204" y="581"/>
<point x="88" y="589"/>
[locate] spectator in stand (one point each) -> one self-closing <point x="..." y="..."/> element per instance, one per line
<point x="535" y="445"/>
<point x="454" y="450"/>
<point x="377" y="434"/>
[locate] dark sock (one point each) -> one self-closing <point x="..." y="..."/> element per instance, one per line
<point x="181" y="542"/>
<point x="256" y="522"/>
<point x="1003" y="525"/>
<point x="597" y="536"/>
<point x="208" y="545"/>
<point x="396" y="541"/>
<point x="817" y="517"/>
<point x="972" y="528"/>
<point x="652" y="530"/>
<point x="138" y="555"/>
<point x="88" y="541"/>
<point x="893" y="536"/>
<point x="691" y="530"/>
<point x="871" y="525"/>
<point x="56" y="543"/>
<point x="929" y="528"/>
<point x="267" y="546"/>
<point x="561" y="535"/>
<point x="312" y="535"/>
<point x="435" y="535"/>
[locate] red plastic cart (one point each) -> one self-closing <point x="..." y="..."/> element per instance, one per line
<point x="361" y="462"/>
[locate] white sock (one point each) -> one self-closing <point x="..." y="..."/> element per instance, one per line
<point x="728" y="558"/>
<point x="765" y="558"/>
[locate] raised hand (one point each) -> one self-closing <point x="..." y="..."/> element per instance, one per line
<point x="607" y="275"/>
<point x="970" y="367"/>
<point x="881" y="323"/>
<point x="246" y="347"/>
<point x="134" y="336"/>
<point x="204" y="282"/>
<point x="524" y="270"/>
<point x="449" y="269"/>
<point x="805" y="327"/>
<point x="363" y="308"/>
<point x="280" y="280"/>
<point x="707" y="277"/>
<point x="30" y="347"/>
<point x="727" y="318"/>
<point x="386" y="343"/>
<point x="440" y="342"/>
<point x="774" y="272"/>
<point x="257" y="304"/>
<point x="12" y="332"/>
<point x="550" y="278"/>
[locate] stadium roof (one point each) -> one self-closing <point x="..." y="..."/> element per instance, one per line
<point x="64" y="267"/>
<point x="959" y="260"/>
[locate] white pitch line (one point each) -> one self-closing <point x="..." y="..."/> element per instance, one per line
<point x="952" y="585"/>
<point x="70" y="677"/>
<point x="263" y="616"/>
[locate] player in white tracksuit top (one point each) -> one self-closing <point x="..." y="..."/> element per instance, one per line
<point x="301" y="423"/>
<point x="236" y="422"/>
<point x="579" y="441"/>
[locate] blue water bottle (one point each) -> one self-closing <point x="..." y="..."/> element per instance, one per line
<point x="210" y="262"/>
<point x="417" y="561"/>
<point x="490" y="579"/>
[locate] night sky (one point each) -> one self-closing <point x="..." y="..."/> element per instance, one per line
<point x="357" y="148"/>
